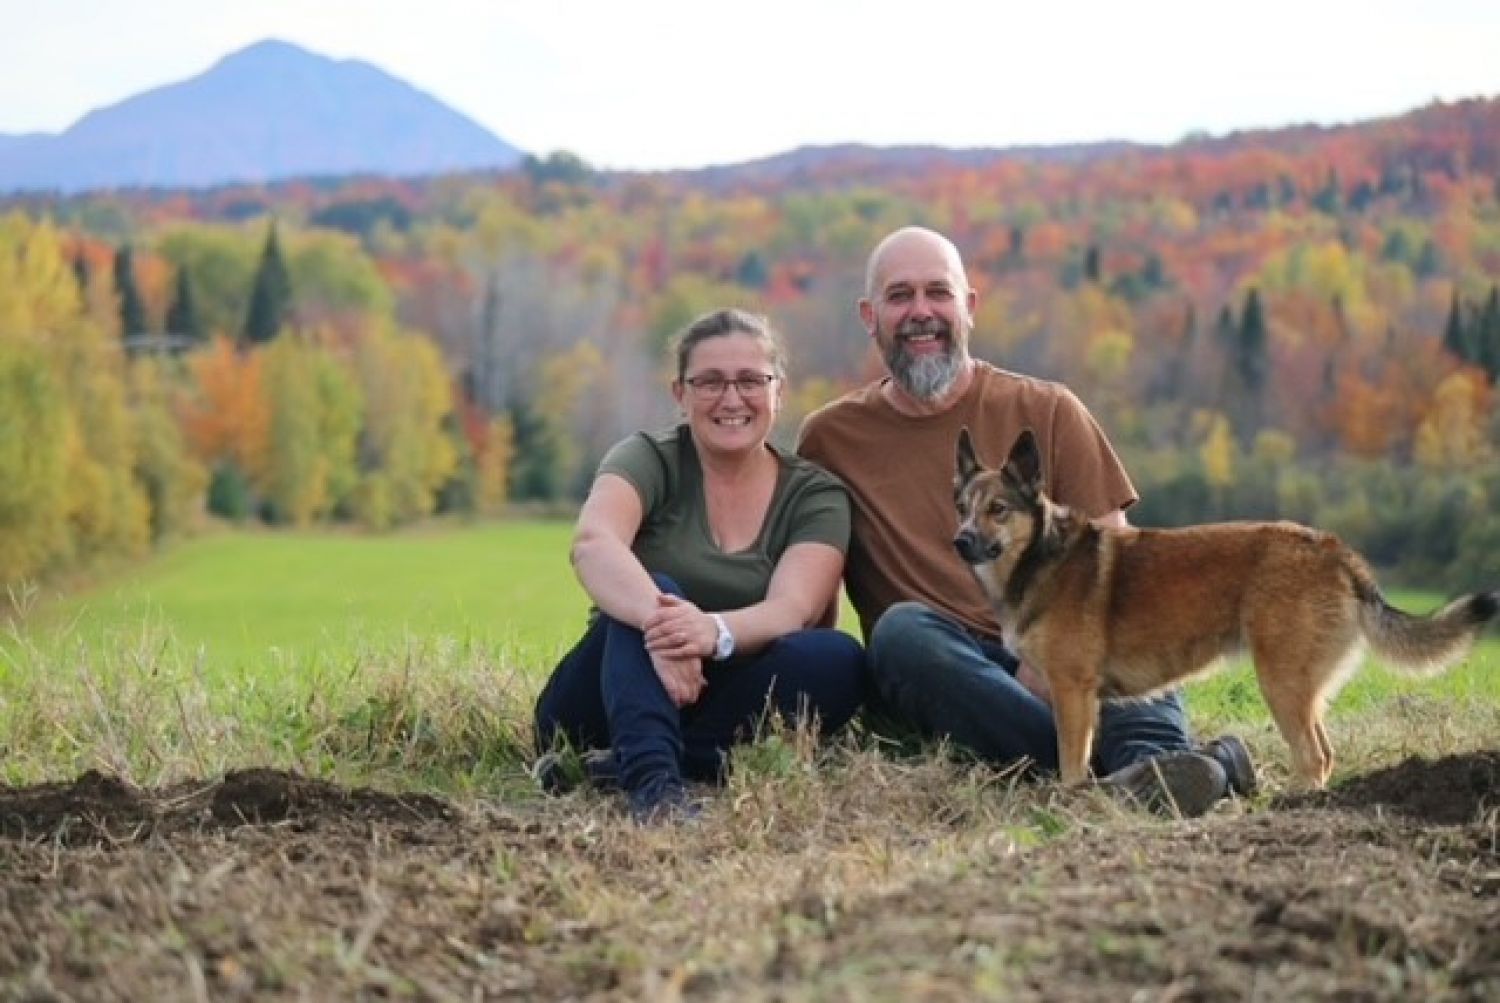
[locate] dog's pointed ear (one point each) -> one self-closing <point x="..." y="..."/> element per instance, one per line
<point x="968" y="460"/>
<point x="1024" y="466"/>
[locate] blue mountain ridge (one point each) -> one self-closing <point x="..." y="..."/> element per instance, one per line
<point x="268" y="112"/>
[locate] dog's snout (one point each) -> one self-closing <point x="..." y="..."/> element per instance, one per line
<point x="973" y="547"/>
<point x="968" y="546"/>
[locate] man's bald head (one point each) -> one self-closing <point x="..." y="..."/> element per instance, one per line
<point x="912" y="237"/>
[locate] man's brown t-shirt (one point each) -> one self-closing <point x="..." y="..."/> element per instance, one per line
<point x="899" y="470"/>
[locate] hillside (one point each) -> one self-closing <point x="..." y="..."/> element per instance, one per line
<point x="269" y="111"/>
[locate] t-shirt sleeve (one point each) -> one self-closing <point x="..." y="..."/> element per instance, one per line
<point x="638" y="459"/>
<point x="809" y="442"/>
<point x="820" y="513"/>
<point x="1087" y="474"/>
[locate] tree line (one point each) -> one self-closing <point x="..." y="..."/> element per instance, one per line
<point x="106" y="450"/>
<point x="1299" y="325"/>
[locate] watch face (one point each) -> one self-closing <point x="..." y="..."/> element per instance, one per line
<point x="724" y="643"/>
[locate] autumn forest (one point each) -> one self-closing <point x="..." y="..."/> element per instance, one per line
<point x="1301" y="323"/>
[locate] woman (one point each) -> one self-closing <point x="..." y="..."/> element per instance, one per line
<point x="709" y="554"/>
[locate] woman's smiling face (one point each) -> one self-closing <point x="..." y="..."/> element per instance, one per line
<point x="730" y="391"/>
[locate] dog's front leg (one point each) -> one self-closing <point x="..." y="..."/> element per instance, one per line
<point x="1076" y="705"/>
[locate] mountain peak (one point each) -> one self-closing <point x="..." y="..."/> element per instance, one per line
<point x="272" y="47"/>
<point x="268" y="54"/>
<point x="270" y="111"/>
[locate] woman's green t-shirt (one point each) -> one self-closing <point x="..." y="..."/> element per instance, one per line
<point x="809" y="505"/>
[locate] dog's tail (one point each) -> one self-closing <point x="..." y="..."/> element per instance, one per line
<point x="1425" y="645"/>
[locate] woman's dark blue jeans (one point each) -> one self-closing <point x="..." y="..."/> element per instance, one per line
<point x="606" y="693"/>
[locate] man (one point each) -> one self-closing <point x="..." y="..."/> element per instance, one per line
<point x="935" y="650"/>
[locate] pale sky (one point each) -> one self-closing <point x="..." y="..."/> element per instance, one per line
<point x="685" y="83"/>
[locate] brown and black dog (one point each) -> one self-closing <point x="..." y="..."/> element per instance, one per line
<point x="1108" y="613"/>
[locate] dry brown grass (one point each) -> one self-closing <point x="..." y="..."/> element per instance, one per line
<point x="848" y="870"/>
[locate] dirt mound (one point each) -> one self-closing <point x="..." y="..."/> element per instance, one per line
<point x="1449" y="791"/>
<point x="259" y="796"/>
<point x="97" y="808"/>
<point x="92" y="808"/>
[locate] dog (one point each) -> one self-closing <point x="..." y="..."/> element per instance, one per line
<point x="1109" y="613"/>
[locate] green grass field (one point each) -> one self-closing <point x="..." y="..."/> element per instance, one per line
<point x="413" y="656"/>
<point x="242" y="600"/>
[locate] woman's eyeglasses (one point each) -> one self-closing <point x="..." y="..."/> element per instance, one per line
<point x="714" y="386"/>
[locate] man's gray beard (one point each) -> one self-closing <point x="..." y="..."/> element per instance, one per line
<point x="925" y="377"/>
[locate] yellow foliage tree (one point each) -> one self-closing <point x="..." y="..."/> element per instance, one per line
<point x="407" y="454"/>
<point x="1452" y="435"/>
<point x="106" y="505"/>
<point x="42" y="321"/>
<point x="174" y="482"/>
<point x="1218" y="453"/>
<point x="39" y="297"/>
<point x="34" y="431"/>
<point x="315" y="414"/>
<point x="492" y="466"/>
<point x="571" y="383"/>
<point x="1108" y="356"/>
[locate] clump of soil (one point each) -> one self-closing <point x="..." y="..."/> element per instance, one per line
<point x="1448" y="791"/>
<point x="101" y="809"/>
<point x="92" y="808"/>
<point x="259" y="796"/>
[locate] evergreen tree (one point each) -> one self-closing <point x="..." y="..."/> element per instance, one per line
<point x="182" y="316"/>
<point x="1251" y="359"/>
<point x="1419" y="191"/>
<point x="1330" y="198"/>
<point x="752" y="272"/>
<point x="1224" y="329"/>
<point x="1487" y="339"/>
<point x="1362" y="196"/>
<point x="1152" y="272"/>
<point x="1427" y="260"/>
<point x="1455" y="332"/>
<point x="1397" y="247"/>
<point x="1286" y="190"/>
<point x="535" y="473"/>
<point x="270" y="296"/>
<point x="132" y="307"/>
<point x="1246" y="365"/>
<point x="82" y="273"/>
<point x="1393" y="179"/>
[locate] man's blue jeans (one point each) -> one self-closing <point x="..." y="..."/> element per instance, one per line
<point x="606" y="693"/>
<point x="930" y="672"/>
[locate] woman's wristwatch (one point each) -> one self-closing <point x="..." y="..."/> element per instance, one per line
<point x="724" y="643"/>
